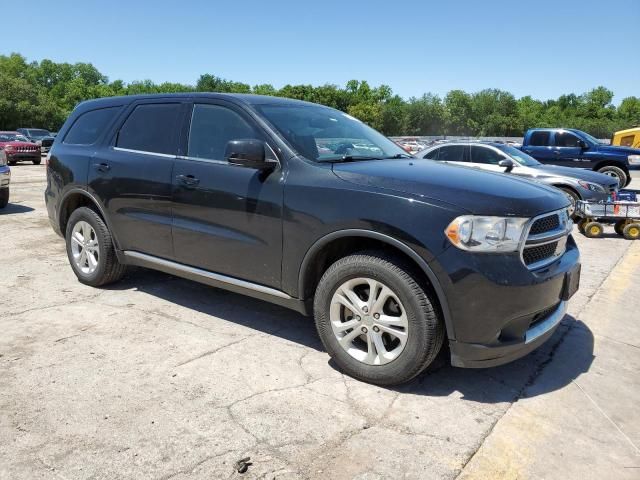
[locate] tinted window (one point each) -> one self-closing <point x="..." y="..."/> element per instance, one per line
<point x="539" y="139"/>
<point x="485" y="155"/>
<point x="151" y="128"/>
<point x="566" y="139"/>
<point x="433" y="154"/>
<point x="88" y="126"/>
<point x="212" y="127"/>
<point x="453" y="153"/>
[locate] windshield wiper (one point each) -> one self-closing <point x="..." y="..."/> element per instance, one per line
<point x="399" y="155"/>
<point x="350" y="158"/>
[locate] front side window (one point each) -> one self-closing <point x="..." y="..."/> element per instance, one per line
<point x="323" y="134"/>
<point x="566" y="139"/>
<point x="151" y="128"/>
<point x="88" y="126"/>
<point x="453" y="153"/>
<point x="485" y="155"/>
<point x="212" y="127"/>
<point x="539" y="139"/>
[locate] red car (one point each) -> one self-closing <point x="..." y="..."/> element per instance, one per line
<point x="18" y="149"/>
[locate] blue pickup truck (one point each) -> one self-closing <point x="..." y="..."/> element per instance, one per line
<point x="573" y="148"/>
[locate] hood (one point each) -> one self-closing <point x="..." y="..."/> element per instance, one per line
<point x="17" y="144"/>
<point x="478" y="192"/>
<point x="577" y="173"/>
<point x="618" y="150"/>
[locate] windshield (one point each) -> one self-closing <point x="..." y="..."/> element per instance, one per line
<point x="518" y="155"/>
<point x="590" y="139"/>
<point x="38" y="133"/>
<point x="12" y="137"/>
<point x="323" y="134"/>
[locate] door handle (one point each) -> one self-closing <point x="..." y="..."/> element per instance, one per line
<point x="188" y="180"/>
<point x="102" y="167"/>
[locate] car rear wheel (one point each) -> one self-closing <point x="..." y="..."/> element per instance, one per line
<point x="617" y="173"/>
<point x="4" y="197"/>
<point x="12" y="162"/>
<point x="90" y="249"/>
<point x="375" y="319"/>
<point x="37" y="162"/>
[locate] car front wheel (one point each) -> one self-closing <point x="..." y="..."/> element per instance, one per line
<point x="617" y="173"/>
<point x="376" y="320"/>
<point x="90" y="249"/>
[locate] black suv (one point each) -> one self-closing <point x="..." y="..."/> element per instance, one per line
<point x="307" y="207"/>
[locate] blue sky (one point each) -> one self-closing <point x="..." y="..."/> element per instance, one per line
<point x="540" y="48"/>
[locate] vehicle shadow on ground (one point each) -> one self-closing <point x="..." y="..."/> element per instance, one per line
<point x="506" y="383"/>
<point x="13" y="208"/>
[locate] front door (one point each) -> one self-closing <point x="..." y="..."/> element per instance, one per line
<point x="226" y="218"/>
<point x="568" y="150"/>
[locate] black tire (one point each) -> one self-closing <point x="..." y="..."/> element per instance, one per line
<point x="613" y="171"/>
<point x="593" y="230"/>
<point x="619" y="226"/>
<point x="425" y="331"/>
<point x="573" y="197"/>
<point x="37" y="162"/>
<point x="581" y="224"/>
<point x="4" y="197"/>
<point x="109" y="270"/>
<point x="12" y="162"/>
<point x="632" y="231"/>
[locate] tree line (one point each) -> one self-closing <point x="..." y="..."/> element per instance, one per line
<point x="42" y="94"/>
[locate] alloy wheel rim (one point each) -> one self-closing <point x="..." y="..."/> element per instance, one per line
<point x="369" y="321"/>
<point x="614" y="175"/>
<point x="84" y="247"/>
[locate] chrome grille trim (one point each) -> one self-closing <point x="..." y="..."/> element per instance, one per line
<point x="556" y="235"/>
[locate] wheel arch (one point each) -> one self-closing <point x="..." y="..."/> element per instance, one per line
<point x="341" y="243"/>
<point x="565" y="186"/>
<point x="75" y="199"/>
<point x="612" y="163"/>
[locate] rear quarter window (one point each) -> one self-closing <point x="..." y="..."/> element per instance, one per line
<point x="88" y="126"/>
<point x="539" y="139"/>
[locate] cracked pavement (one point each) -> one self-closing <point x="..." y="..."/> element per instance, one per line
<point x="159" y="377"/>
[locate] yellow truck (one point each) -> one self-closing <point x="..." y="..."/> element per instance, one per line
<point x="627" y="138"/>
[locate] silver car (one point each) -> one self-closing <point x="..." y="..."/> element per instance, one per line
<point x="577" y="184"/>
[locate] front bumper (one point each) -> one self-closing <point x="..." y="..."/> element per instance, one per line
<point x="5" y="177"/>
<point x="23" y="156"/>
<point x="499" y="309"/>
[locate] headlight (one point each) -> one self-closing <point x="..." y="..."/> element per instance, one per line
<point x="633" y="159"/>
<point x="486" y="234"/>
<point x="594" y="187"/>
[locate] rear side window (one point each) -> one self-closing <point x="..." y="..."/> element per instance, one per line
<point x="566" y="139"/>
<point x="453" y="153"/>
<point x="539" y="139"/>
<point x="485" y="155"/>
<point x="627" y="141"/>
<point x="212" y="126"/>
<point x="88" y="126"/>
<point x="151" y="128"/>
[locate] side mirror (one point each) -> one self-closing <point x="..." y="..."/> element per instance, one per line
<point x="507" y="164"/>
<point x="247" y="152"/>
<point x="583" y="145"/>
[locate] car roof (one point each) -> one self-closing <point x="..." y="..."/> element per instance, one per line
<point x="245" y="98"/>
<point x="10" y="131"/>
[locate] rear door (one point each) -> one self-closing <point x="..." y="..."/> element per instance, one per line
<point x="539" y="146"/>
<point x="226" y="218"/>
<point x="132" y="176"/>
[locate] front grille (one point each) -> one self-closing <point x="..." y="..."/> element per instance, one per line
<point x="545" y="224"/>
<point x="538" y="253"/>
<point x="25" y="149"/>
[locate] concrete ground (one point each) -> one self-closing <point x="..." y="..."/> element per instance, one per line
<point x="158" y="377"/>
